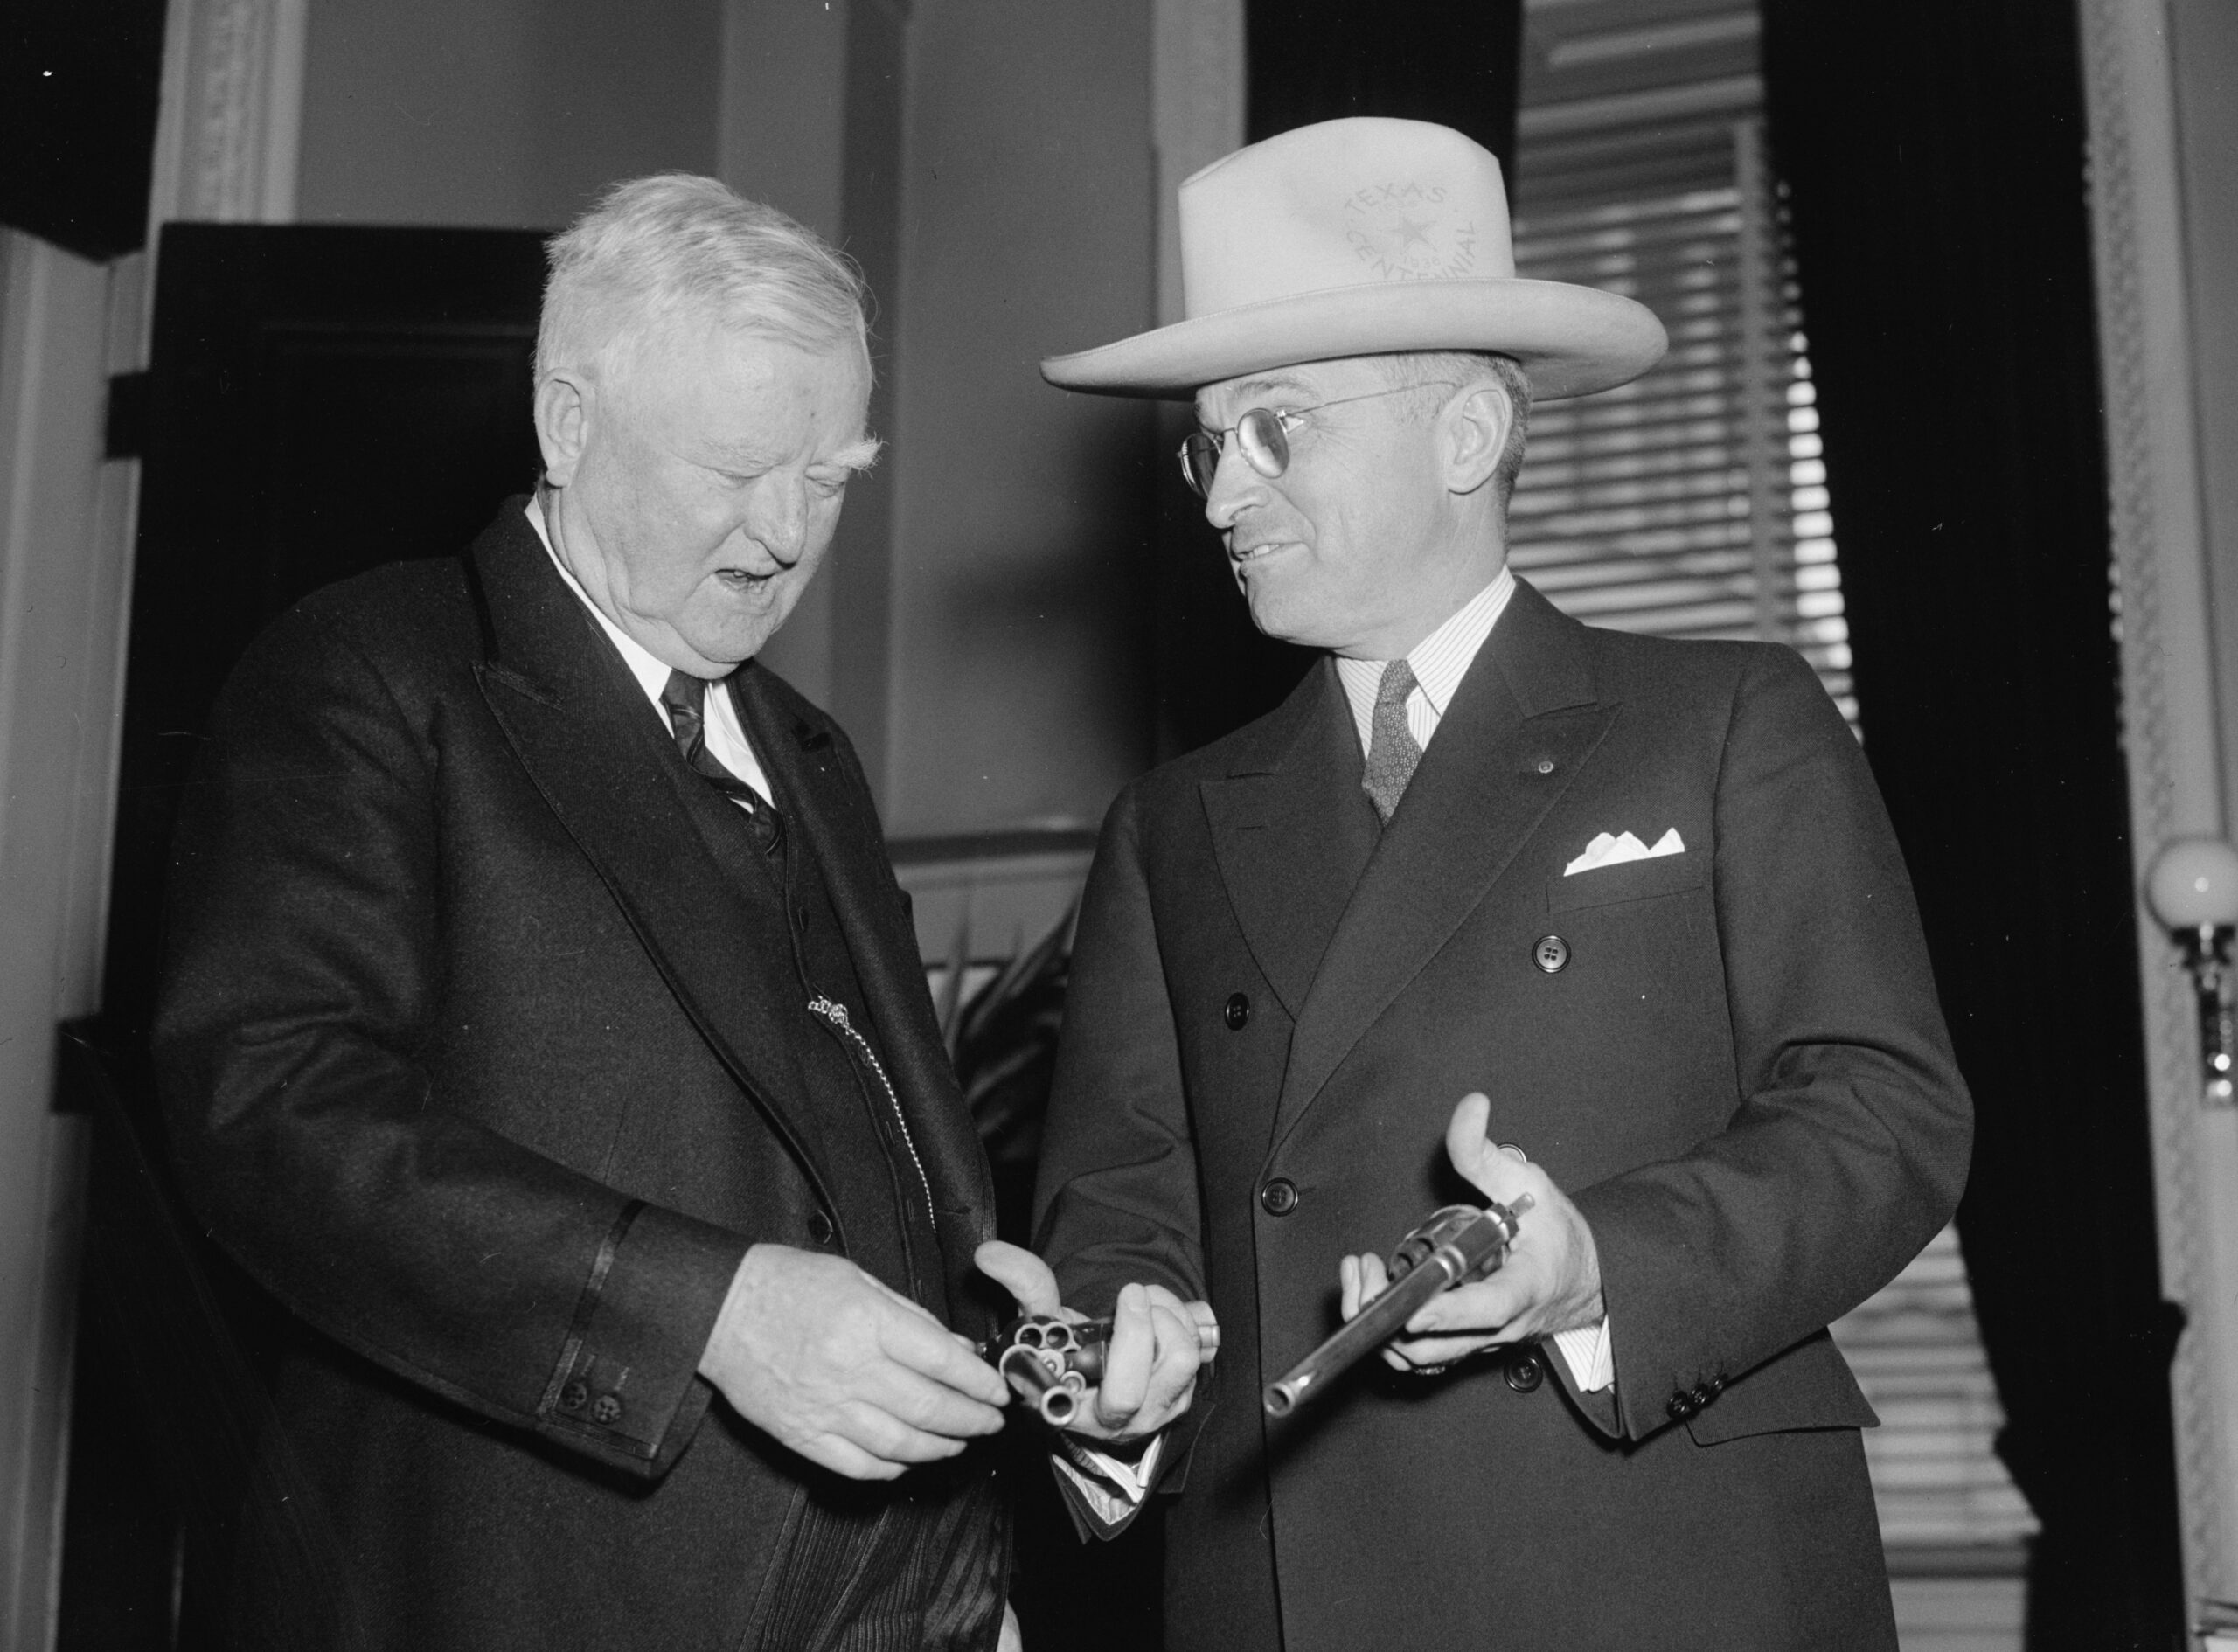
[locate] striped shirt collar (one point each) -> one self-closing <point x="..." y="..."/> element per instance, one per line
<point x="1440" y="661"/>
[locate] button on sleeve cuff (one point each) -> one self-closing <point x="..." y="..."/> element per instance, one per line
<point x="625" y="1388"/>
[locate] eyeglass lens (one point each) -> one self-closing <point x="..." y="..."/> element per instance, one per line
<point x="1258" y="433"/>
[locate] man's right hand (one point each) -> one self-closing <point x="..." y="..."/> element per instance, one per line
<point x="829" y="1362"/>
<point x="1150" y="1367"/>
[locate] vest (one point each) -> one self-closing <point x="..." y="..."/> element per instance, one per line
<point x="922" y="1562"/>
<point x="882" y="1219"/>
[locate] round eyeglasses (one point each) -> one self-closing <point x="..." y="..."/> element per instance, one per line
<point x="1262" y="436"/>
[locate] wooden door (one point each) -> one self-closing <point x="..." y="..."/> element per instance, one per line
<point x="320" y="400"/>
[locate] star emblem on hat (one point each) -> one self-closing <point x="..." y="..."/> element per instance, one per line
<point x="1400" y="233"/>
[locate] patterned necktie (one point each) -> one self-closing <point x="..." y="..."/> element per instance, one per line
<point x="1392" y="752"/>
<point x="686" y="697"/>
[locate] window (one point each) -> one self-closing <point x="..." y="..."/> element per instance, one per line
<point x="1693" y="504"/>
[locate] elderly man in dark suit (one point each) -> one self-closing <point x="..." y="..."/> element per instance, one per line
<point x="544" y="1029"/>
<point x="1636" y="901"/>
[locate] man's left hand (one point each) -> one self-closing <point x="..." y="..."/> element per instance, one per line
<point x="1550" y="1280"/>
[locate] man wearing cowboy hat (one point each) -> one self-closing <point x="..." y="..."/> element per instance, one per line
<point x="1637" y="901"/>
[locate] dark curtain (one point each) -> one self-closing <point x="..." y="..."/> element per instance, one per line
<point x="1412" y="60"/>
<point x="1934" y="157"/>
<point x="1311" y="60"/>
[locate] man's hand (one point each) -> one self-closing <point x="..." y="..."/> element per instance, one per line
<point x="1157" y="1342"/>
<point x="826" y="1360"/>
<point x="1551" y="1281"/>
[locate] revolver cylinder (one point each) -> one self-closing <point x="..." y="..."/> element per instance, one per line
<point x="1050" y="1363"/>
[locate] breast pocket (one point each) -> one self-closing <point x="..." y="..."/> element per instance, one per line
<point x="1628" y="880"/>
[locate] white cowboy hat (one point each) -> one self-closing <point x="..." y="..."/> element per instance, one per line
<point x="1361" y="237"/>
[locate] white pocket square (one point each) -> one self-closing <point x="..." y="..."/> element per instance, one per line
<point x="1606" y="850"/>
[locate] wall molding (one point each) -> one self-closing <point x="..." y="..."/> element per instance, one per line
<point x="229" y="132"/>
<point x="64" y="520"/>
<point x="2169" y="722"/>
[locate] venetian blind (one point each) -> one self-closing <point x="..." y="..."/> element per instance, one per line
<point x="1693" y="504"/>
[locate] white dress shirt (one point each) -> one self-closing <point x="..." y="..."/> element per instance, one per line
<point x="1440" y="661"/>
<point x="724" y="735"/>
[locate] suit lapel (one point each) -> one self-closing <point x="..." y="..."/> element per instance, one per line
<point x="1519" y="727"/>
<point x="595" y="748"/>
<point x="830" y="808"/>
<point x="1292" y="831"/>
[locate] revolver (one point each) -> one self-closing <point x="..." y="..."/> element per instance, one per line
<point x="1050" y="1363"/>
<point x="1456" y="1244"/>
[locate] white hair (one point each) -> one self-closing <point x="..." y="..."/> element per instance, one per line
<point x="676" y="245"/>
<point x="1445" y="371"/>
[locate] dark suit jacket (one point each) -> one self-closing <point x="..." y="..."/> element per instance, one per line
<point x="477" y="1054"/>
<point x="1740" y="1075"/>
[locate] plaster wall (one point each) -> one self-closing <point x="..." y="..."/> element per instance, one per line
<point x="782" y="122"/>
<point x="509" y="114"/>
<point x="783" y="139"/>
<point x="1021" y="513"/>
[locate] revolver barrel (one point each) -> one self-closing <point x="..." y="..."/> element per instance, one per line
<point x="1457" y="1243"/>
<point x="1055" y="1396"/>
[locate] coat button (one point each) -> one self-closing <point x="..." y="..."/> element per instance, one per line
<point x="1525" y="1372"/>
<point x="1681" y="1406"/>
<point x="1546" y="765"/>
<point x="1279" y="1196"/>
<point x="1236" y="1010"/>
<point x="606" y="1410"/>
<point x="1550" y="953"/>
<point x="1702" y="1396"/>
<point x="819" y="1227"/>
<point x="575" y="1395"/>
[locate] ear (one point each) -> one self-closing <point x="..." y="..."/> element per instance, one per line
<point x="1475" y="434"/>
<point x="563" y="417"/>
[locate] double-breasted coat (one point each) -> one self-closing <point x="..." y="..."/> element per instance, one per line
<point x="484" y="1050"/>
<point x="1731" y="1059"/>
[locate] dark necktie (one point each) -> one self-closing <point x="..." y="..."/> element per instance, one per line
<point x="686" y="697"/>
<point x="1392" y="752"/>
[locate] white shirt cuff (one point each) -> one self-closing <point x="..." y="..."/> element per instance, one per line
<point x="1112" y="1486"/>
<point x="1591" y="1359"/>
